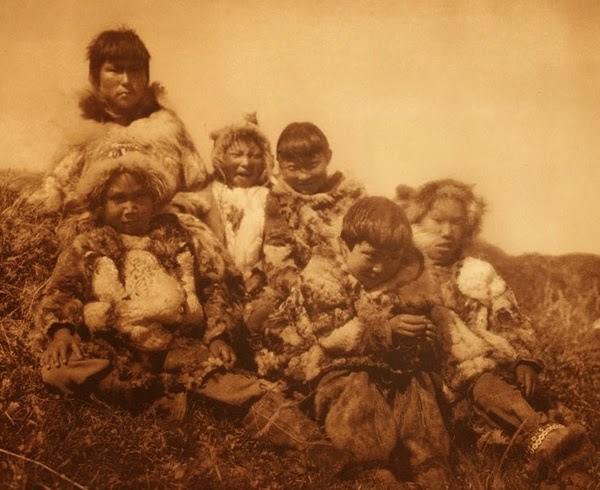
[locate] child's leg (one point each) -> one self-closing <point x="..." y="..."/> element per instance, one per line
<point x="423" y="433"/>
<point x="503" y="405"/>
<point x="356" y="416"/>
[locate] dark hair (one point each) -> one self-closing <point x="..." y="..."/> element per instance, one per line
<point x="301" y="140"/>
<point x="378" y="221"/>
<point x="116" y="46"/>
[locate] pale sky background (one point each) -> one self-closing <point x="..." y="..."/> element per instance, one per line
<point x="505" y="95"/>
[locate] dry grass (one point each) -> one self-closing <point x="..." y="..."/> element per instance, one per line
<point x="47" y="441"/>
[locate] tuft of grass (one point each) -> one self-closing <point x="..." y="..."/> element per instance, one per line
<point x="28" y="250"/>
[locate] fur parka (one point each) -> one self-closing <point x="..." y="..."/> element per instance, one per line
<point x="330" y="321"/>
<point x="482" y="328"/>
<point x="243" y="216"/>
<point x="298" y="226"/>
<point x="146" y="291"/>
<point x="155" y="128"/>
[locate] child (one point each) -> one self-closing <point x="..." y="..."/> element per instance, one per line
<point x="153" y="296"/>
<point x="303" y="213"/>
<point x="487" y="342"/>
<point x="357" y="333"/>
<point x="243" y="165"/>
<point x="305" y="207"/>
<point x="123" y="106"/>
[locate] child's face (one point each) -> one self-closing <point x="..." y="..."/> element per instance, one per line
<point x="243" y="164"/>
<point x="128" y="206"/>
<point x="445" y="223"/>
<point x="370" y="265"/>
<point x="306" y="175"/>
<point x="122" y="85"/>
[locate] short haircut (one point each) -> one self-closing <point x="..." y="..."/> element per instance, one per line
<point x="423" y="199"/>
<point x="378" y="221"/>
<point x="301" y="140"/>
<point x="121" y="45"/>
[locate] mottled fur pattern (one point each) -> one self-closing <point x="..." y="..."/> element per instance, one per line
<point x="160" y="133"/>
<point x="482" y="328"/>
<point x="297" y="226"/>
<point x="217" y="282"/>
<point x="330" y="321"/>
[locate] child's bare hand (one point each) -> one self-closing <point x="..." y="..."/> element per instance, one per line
<point x="415" y="327"/>
<point x="222" y="350"/>
<point x="62" y="344"/>
<point x="527" y="378"/>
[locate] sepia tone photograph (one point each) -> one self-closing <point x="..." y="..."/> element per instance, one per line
<point x="299" y="244"/>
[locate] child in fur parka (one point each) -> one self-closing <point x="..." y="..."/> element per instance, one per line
<point x="143" y="302"/>
<point x="488" y="344"/>
<point x="303" y="213"/>
<point x="122" y="106"/>
<point x="356" y="332"/>
<point x="243" y="165"/>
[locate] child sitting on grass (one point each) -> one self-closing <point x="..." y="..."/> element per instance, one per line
<point x="143" y="302"/>
<point x="356" y="333"/>
<point x="243" y="165"/>
<point x="488" y="344"/>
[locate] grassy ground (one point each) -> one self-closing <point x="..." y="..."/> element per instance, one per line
<point x="47" y="441"/>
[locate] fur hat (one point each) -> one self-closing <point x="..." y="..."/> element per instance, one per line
<point x="417" y="203"/>
<point x="160" y="173"/>
<point x="247" y="129"/>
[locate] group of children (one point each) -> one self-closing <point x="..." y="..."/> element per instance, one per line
<point x="363" y="314"/>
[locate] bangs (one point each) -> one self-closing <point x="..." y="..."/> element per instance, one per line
<point x="388" y="234"/>
<point x="300" y="148"/>
<point x="122" y="51"/>
<point x="301" y="140"/>
<point x="377" y="221"/>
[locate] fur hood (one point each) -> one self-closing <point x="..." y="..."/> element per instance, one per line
<point x="88" y="139"/>
<point x="160" y="175"/>
<point x="161" y="137"/>
<point x="417" y="202"/>
<point x="248" y="129"/>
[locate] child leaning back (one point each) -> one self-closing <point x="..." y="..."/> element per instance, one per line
<point x="243" y="165"/>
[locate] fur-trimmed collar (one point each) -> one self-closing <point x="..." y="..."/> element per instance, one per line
<point x="338" y="186"/>
<point x="93" y="107"/>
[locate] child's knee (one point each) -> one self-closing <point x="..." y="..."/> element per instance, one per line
<point x="359" y="418"/>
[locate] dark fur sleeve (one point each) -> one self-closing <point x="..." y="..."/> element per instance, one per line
<point x="220" y="285"/>
<point x="63" y="296"/>
<point x="280" y="245"/>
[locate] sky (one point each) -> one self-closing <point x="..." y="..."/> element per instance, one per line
<point x="503" y="95"/>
